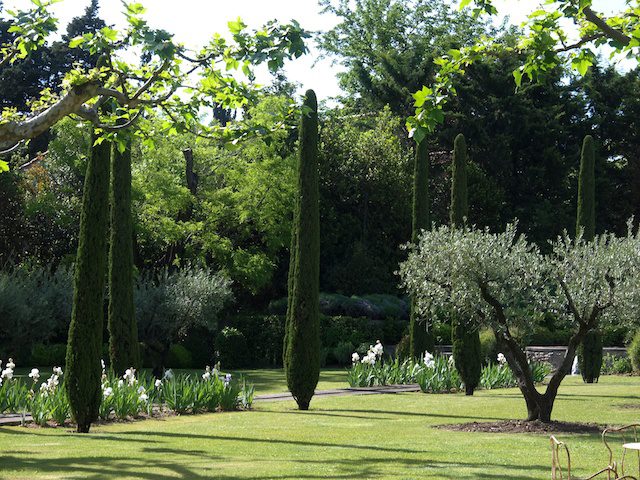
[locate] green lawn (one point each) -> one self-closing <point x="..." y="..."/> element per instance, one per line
<point x="372" y="436"/>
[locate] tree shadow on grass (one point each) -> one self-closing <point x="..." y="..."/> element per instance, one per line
<point x="299" y="443"/>
<point x="415" y="414"/>
<point x="92" y="467"/>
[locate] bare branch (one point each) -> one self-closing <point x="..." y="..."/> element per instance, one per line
<point x="582" y="41"/>
<point x="115" y="128"/>
<point x="608" y="30"/>
<point x="7" y="58"/>
<point x="113" y="93"/>
<point x="151" y="80"/>
<point x="15" y="131"/>
<point x="11" y="149"/>
<point x="37" y="158"/>
<point x="572" y="305"/>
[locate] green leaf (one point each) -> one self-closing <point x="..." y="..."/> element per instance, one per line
<point x="463" y="4"/>
<point x="4" y="166"/>
<point x="236" y="26"/>
<point x="581" y="64"/>
<point x="76" y="42"/>
<point x="418" y="134"/>
<point x="517" y="75"/>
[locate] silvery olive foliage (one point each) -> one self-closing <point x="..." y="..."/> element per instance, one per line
<point x="473" y="271"/>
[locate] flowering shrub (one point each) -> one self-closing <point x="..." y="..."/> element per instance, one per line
<point x="434" y="374"/>
<point x="124" y="397"/>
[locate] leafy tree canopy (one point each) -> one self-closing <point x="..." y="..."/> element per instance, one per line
<point x="544" y="45"/>
<point x="164" y="75"/>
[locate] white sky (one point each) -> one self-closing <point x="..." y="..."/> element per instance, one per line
<point x="194" y="21"/>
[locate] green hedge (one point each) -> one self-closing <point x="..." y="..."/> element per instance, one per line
<point x="373" y="307"/>
<point x="264" y="335"/>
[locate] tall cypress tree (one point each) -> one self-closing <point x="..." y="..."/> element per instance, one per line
<point x="84" y="348"/>
<point x="586" y="217"/>
<point x="590" y="352"/>
<point x="420" y="338"/>
<point x="123" y="331"/>
<point x="466" y="340"/>
<point x="302" y="330"/>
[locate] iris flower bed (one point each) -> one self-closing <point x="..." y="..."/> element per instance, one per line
<point x="434" y="374"/>
<point x="129" y="396"/>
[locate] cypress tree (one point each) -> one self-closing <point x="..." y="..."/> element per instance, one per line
<point x="590" y="356"/>
<point x="586" y="217"/>
<point x="590" y="352"/>
<point x="302" y="330"/>
<point x="420" y="339"/>
<point x="467" y="351"/>
<point x="84" y="348"/>
<point x="123" y="330"/>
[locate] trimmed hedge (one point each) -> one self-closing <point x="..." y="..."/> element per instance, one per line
<point x="373" y="307"/>
<point x="264" y="335"/>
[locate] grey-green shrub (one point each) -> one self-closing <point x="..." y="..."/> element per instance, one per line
<point x="168" y="304"/>
<point x="35" y="308"/>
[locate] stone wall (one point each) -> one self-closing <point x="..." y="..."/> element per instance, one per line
<point x="554" y="355"/>
<point x="551" y="355"/>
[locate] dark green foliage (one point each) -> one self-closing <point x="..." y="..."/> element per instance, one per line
<point x="180" y="357"/>
<point x="467" y="350"/>
<point x="124" y="350"/>
<point x="84" y="348"/>
<point x="302" y="334"/>
<point x="420" y="338"/>
<point x="459" y="194"/>
<point x="264" y="335"/>
<point x="590" y="356"/>
<point x="48" y="355"/>
<point x="11" y="217"/>
<point x="365" y="205"/>
<point x="374" y="307"/>
<point x="403" y="347"/>
<point x="467" y="353"/>
<point x="231" y="348"/>
<point x="586" y="218"/>
<point x="341" y="354"/>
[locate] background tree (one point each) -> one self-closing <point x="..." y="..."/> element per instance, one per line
<point x="420" y="338"/>
<point x="302" y="330"/>
<point x="486" y="278"/>
<point x="590" y="351"/>
<point x="84" y="349"/>
<point x="365" y="205"/>
<point x="465" y="339"/>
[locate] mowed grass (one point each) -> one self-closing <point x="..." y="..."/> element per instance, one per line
<point x="371" y="436"/>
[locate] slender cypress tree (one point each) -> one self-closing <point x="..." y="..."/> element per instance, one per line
<point x="467" y="351"/>
<point x="420" y="338"/>
<point x="124" y="350"/>
<point x="590" y="352"/>
<point x="586" y="217"/>
<point x="84" y="348"/>
<point x="302" y="330"/>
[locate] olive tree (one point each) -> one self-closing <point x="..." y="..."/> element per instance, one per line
<point x="501" y="281"/>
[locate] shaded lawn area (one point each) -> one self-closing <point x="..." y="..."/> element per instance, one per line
<point x="371" y="436"/>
